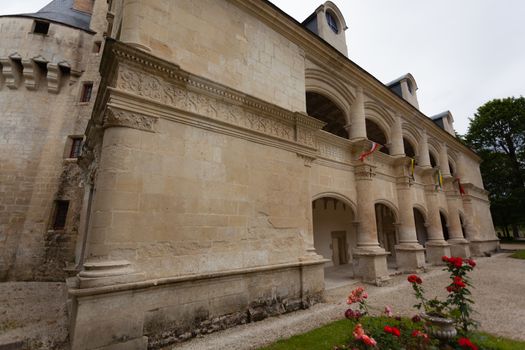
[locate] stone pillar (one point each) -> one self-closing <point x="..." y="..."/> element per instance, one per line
<point x="443" y="160"/>
<point x="423" y="157"/>
<point x="410" y="255"/>
<point x="371" y="258"/>
<point x="397" y="147"/>
<point x="357" y="128"/>
<point x="436" y="245"/>
<point x="459" y="246"/>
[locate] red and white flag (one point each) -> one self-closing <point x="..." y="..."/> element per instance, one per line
<point x="375" y="147"/>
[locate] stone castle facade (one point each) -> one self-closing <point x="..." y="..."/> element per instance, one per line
<point x="220" y="172"/>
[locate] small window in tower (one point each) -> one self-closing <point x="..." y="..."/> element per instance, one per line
<point x="41" y="27"/>
<point x="76" y="147"/>
<point x="60" y="215"/>
<point x="332" y="22"/>
<point x="96" y="46"/>
<point x="87" y="89"/>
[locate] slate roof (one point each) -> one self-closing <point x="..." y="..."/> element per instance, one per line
<point x="61" y="11"/>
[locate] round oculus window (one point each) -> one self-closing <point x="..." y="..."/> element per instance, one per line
<point x="332" y="22"/>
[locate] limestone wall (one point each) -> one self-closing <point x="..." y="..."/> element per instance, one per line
<point x="40" y="86"/>
<point x="219" y="41"/>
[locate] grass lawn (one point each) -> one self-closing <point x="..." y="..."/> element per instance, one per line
<point x="340" y="332"/>
<point x="520" y="254"/>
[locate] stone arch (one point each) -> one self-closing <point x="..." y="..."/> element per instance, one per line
<point x="324" y="83"/>
<point x="390" y="206"/>
<point x="323" y="108"/>
<point x="412" y="135"/>
<point x="379" y="115"/>
<point x="338" y="196"/>
<point x="334" y="229"/>
<point x="422" y="210"/>
<point x="433" y="153"/>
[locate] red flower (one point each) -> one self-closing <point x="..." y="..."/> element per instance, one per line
<point x="458" y="262"/>
<point x="451" y="289"/>
<point x="392" y="330"/>
<point x="471" y="262"/>
<point x="459" y="282"/>
<point x="445" y="258"/>
<point x="416" y="333"/>
<point x="466" y="343"/>
<point x="416" y="318"/>
<point x="414" y="279"/>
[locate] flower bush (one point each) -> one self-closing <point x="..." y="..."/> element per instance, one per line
<point x="396" y="333"/>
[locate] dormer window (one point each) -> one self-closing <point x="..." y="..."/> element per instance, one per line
<point x="332" y="22"/>
<point x="409" y="84"/>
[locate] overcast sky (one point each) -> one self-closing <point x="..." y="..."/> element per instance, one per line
<point x="462" y="53"/>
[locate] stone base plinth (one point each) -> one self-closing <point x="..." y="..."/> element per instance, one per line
<point x="436" y="250"/>
<point x="156" y="313"/>
<point x="483" y="247"/>
<point x="459" y="247"/>
<point x="371" y="265"/>
<point x="410" y="257"/>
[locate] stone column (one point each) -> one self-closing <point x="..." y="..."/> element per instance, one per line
<point x="410" y="255"/>
<point x="371" y="258"/>
<point x="443" y="160"/>
<point x="459" y="246"/>
<point x="357" y="128"/>
<point x="436" y="245"/>
<point x="397" y="147"/>
<point x="423" y="157"/>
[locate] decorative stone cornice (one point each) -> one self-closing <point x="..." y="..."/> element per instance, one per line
<point x="144" y="79"/>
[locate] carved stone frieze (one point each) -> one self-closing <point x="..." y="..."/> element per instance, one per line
<point x="173" y="95"/>
<point x="365" y="171"/>
<point x="124" y="118"/>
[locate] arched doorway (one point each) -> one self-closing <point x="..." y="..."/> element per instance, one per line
<point x="334" y="232"/>
<point x="444" y="225"/>
<point x="386" y="230"/>
<point x="376" y="134"/>
<point x="322" y="108"/>
<point x="421" y="230"/>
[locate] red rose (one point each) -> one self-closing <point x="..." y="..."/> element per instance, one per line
<point x="450" y="289"/>
<point x="414" y="279"/>
<point x="419" y="280"/>
<point x="466" y="343"/>
<point x="396" y="332"/>
<point x="416" y="333"/>
<point x="445" y="258"/>
<point x="387" y="329"/>
<point x="458" y="262"/>
<point x="471" y="262"/>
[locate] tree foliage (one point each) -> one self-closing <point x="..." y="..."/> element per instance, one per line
<point x="497" y="134"/>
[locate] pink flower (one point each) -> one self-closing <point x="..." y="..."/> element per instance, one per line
<point x="368" y="340"/>
<point x="358" y="331"/>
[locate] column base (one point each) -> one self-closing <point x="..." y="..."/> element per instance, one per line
<point x="436" y="250"/>
<point x="484" y="247"/>
<point x="410" y="258"/>
<point x="459" y="247"/>
<point x="371" y="265"/>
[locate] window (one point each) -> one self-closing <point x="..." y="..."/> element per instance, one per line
<point x="60" y="215"/>
<point x="87" y="89"/>
<point x="332" y="22"/>
<point x="96" y="46"/>
<point x="76" y="147"/>
<point x="40" y="27"/>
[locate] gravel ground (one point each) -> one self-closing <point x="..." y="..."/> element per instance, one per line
<point x="37" y="310"/>
<point x="34" y="312"/>
<point x="499" y="294"/>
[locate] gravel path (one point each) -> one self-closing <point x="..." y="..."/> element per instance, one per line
<point x="499" y="294"/>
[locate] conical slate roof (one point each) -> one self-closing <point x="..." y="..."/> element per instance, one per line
<point x="61" y="11"/>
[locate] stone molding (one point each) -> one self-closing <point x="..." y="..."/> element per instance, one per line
<point x="124" y="118"/>
<point x="143" y="75"/>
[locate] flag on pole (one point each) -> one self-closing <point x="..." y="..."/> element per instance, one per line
<point x="461" y="189"/>
<point x="412" y="168"/>
<point x="375" y="147"/>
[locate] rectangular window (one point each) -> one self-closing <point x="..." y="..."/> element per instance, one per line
<point x="76" y="147"/>
<point x="96" y="46"/>
<point x="87" y="89"/>
<point x="60" y="215"/>
<point x="40" y="27"/>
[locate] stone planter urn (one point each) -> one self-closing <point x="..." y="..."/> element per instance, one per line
<point x="439" y="327"/>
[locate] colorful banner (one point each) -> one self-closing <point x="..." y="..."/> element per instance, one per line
<point x="439" y="180"/>
<point x="461" y="189"/>
<point x="375" y="147"/>
<point x="412" y="168"/>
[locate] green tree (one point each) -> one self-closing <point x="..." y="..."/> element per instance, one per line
<point x="497" y="134"/>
